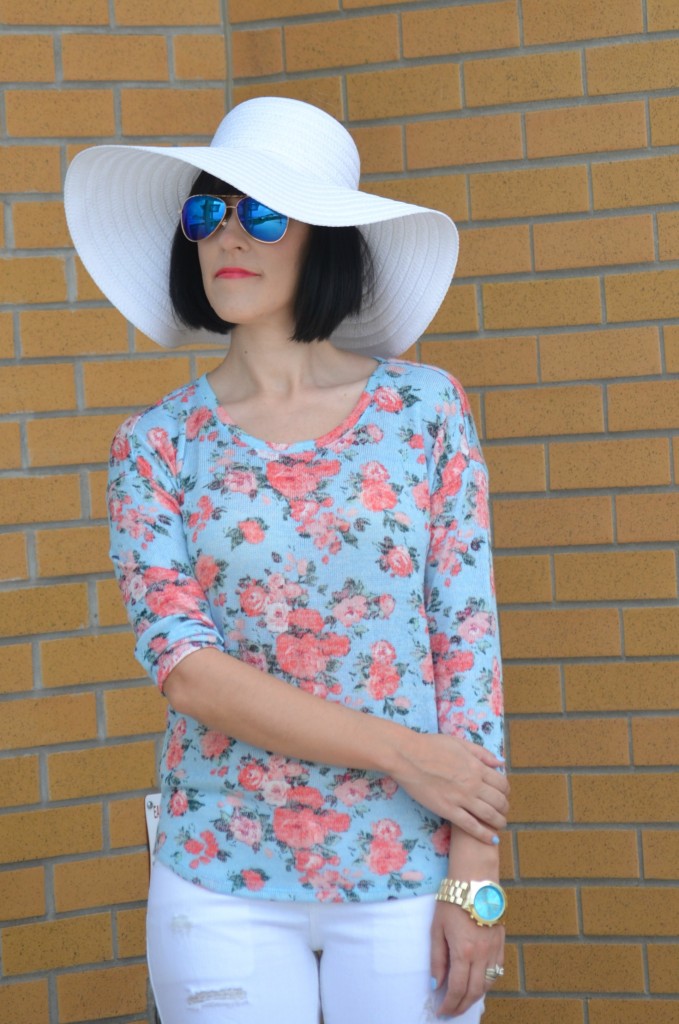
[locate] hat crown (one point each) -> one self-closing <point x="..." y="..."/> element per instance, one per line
<point x="305" y="138"/>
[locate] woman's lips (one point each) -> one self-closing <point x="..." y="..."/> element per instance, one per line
<point x="234" y="272"/>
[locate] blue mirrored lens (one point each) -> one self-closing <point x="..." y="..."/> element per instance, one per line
<point x="201" y="215"/>
<point x="260" y="221"/>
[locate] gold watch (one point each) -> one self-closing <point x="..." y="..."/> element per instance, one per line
<point x="485" y="902"/>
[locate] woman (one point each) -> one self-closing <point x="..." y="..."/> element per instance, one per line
<point x="301" y="540"/>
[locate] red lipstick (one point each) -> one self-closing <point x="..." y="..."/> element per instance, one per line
<point x="232" y="273"/>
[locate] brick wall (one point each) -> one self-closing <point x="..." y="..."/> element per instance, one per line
<point x="549" y="131"/>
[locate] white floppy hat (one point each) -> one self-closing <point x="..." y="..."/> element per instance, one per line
<point x="122" y="207"/>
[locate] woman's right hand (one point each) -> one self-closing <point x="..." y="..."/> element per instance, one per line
<point x="458" y="780"/>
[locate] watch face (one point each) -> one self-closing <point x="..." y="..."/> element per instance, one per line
<point x="489" y="903"/>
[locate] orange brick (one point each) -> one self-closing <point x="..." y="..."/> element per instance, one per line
<point x="423" y="89"/>
<point x="40" y="225"/>
<point x="619" y="352"/>
<point x="632" y="67"/>
<point x="523" y="579"/>
<point x="497" y="250"/>
<point x="648" y="406"/>
<point x="551" y="21"/>
<point x="325" y="93"/>
<point x="562" y="633"/>
<point x="36" y="388"/>
<point x="432" y="33"/>
<point x="28" y="279"/>
<point x="97" y="480"/>
<point x="668" y="236"/>
<point x="654" y="740"/>
<point x="25" y="1002"/>
<point x="552" y="522"/>
<point x="44" y="609"/>
<point x="74" y="551"/>
<point x="561" y="743"/>
<point x="583" y="967"/>
<point x="17" y="668"/>
<point x="65" y="114"/>
<point x="381" y="148"/>
<point x="579" y="853"/>
<point x="72" y="332"/>
<point x="486" y="361"/>
<point x="458" y="312"/>
<point x="651" y="631"/>
<point x="634" y="463"/>
<point x="345" y="43"/>
<point x="134" y="712"/>
<point x="648" y="181"/>
<point x="131" y="933"/>
<point x="531" y="689"/>
<point x="615" y="576"/>
<point x="465" y="140"/>
<point x="132" y="381"/>
<point x="661" y="853"/>
<point x="112" y="992"/>
<point x="111" y="608"/>
<point x="516" y="468"/>
<point x="26" y="59"/>
<point x="104" y="881"/>
<point x="651" y="295"/>
<point x="545" y="1011"/>
<point x="538" y="911"/>
<point x="537" y="76"/>
<point x="127" y="822"/>
<point x="633" y="1011"/>
<point x="65" y="943"/>
<point x="540" y="798"/>
<point x="624" y="798"/>
<point x="112" y="57"/>
<point x="39" y="721"/>
<point x="257" y="52"/>
<point x="167" y="12"/>
<point x="10" y="446"/>
<point x="552" y="410"/>
<point x="561" y="302"/>
<point x="627" y="686"/>
<point x="86" y="289"/>
<point x="19" y="778"/>
<point x="446" y="192"/>
<point x="13" y="557"/>
<point x="189" y="112"/>
<point x="630" y="911"/>
<point x="663" y="15"/>
<point x="6" y="336"/>
<point x="30" y="168"/>
<point x="35" y="835"/>
<point x="39" y="499"/>
<point x="663" y="967"/>
<point x="22" y="893"/>
<point x="595" y="128"/>
<point x="647" y="517"/>
<point x="664" y="114"/>
<point x="205" y="63"/>
<point x="63" y="442"/>
<point x="101" y="770"/>
<point x="256" y="10"/>
<point x="56" y="12"/>
<point x="596" y="242"/>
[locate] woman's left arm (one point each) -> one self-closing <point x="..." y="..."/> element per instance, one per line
<point x="461" y="950"/>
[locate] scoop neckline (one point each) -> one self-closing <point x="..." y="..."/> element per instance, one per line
<point x="330" y="437"/>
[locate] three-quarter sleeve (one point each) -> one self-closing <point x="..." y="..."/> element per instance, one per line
<point x="459" y="586"/>
<point x="168" y="609"/>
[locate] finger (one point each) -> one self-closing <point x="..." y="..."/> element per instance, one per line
<point x="487" y="757"/>
<point x="458" y="980"/>
<point x="439" y="954"/>
<point x="473" y="826"/>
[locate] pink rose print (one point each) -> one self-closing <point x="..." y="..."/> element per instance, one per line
<point x="440" y="840"/>
<point x="481" y="513"/>
<point x="252" y="531"/>
<point x="475" y="626"/>
<point x="351" y="610"/>
<point x="386" y="856"/>
<point x="251" y="776"/>
<point x="253" y="600"/>
<point x="179" y="804"/>
<point x="496" y="700"/>
<point x="298" y="829"/>
<point x="240" y="481"/>
<point x="207" y="850"/>
<point x="398" y="561"/>
<point x="254" y="880"/>
<point x="160" y="442"/>
<point x="120" y="449"/>
<point x="388" y="399"/>
<point x="352" y="792"/>
<point x="196" y="421"/>
<point x="206" y="570"/>
<point x="246" y="830"/>
<point x="214" y="744"/>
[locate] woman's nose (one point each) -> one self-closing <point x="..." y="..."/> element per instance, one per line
<point x="230" y="231"/>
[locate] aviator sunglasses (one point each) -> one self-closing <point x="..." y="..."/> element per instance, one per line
<point x="201" y="216"/>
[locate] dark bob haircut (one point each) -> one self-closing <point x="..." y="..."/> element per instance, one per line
<point x="336" y="276"/>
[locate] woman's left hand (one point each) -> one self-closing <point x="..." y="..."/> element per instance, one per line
<point x="461" y="952"/>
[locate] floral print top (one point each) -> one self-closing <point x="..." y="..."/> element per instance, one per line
<point x="357" y="567"/>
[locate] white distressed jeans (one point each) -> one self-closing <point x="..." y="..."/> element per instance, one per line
<point x="218" y="959"/>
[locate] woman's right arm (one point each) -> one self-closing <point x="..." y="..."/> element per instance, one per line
<point x="455" y="779"/>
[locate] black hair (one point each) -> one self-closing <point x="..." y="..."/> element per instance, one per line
<point x="336" y="276"/>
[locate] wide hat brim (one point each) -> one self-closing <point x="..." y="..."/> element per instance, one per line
<point x="122" y="208"/>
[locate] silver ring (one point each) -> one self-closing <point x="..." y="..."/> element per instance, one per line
<point x="493" y="973"/>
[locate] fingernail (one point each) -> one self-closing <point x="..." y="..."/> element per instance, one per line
<point x="434" y="984"/>
<point x="496" y="840"/>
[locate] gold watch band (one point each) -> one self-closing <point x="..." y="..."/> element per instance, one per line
<point x="451" y="890"/>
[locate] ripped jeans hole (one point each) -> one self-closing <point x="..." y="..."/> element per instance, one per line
<point x="225" y="996"/>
